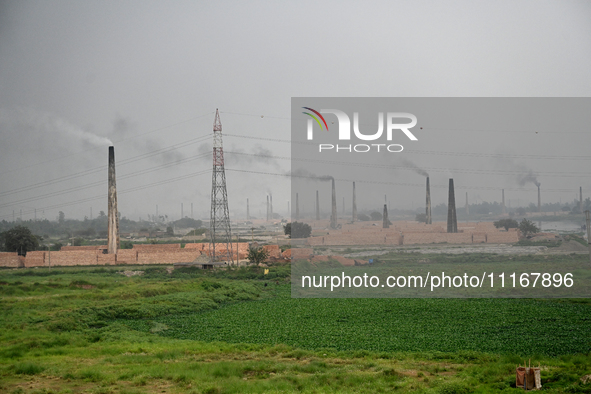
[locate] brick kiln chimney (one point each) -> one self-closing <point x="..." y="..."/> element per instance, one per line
<point x="333" y="216"/>
<point x="428" y="219"/>
<point x="247" y="210"/>
<point x="504" y="209"/>
<point x="271" y="206"/>
<point x="113" y="218"/>
<point x="467" y="206"/>
<point x="297" y="207"/>
<point x="452" y="221"/>
<point x="581" y="199"/>
<point x="317" y="206"/>
<point x="267" y="208"/>
<point x="354" y="204"/>
<point x="539" y="200"/>
<point x="386" y="222"/>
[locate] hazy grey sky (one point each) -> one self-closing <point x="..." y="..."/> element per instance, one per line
<point x="148" y="75"/>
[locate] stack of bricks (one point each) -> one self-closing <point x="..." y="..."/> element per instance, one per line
<point x="412" y="233"/>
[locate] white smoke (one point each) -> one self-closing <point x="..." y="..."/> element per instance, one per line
<point x="45" y="122"/>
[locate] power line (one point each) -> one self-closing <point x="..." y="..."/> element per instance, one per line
<point x="498" y="155"/>
<point x="425" y="128"/>
<point x="313" y="177"/>
<point x="101" y="147"/>
<point x="88" y="199"/>
<point x="98" y="183"/>
<point x="102" y="168"/>
<point x="409" y="168"/>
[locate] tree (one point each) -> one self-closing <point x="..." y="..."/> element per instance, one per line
<point x="421" y="217"/>
<point x="528" y="227"/>
<point x="376" y="216"/>
<point x="20" y="239"/>
<point x="297" y="230"/>
<point x="257" y="255"/>
<point x="169" y="231"/>
<point x="363" y="217"/>
<point x="507" y="223"/>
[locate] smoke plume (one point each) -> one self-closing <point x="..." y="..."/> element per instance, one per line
<point x="526" y="178"/>
<point x="45" y="122"/>
<point x="299" y="173"/>
<point x="414" y="167"/>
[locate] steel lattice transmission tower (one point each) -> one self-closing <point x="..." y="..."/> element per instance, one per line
<point x="219" y="224"/>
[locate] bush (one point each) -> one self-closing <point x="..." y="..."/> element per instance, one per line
<point x="506" y="223"/>
<point x="376" y="216"/>
<point x="528" y="227"/>
<point x="257" y="255"/>
<point x="297" y="230"/>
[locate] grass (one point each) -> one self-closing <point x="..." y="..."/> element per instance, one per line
<point x="392" y="325"/>
<point x="93" y="330"/>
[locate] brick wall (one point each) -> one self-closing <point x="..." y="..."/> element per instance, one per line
<point x="74" y="257"/>
<point x="36" y="259"/>
<point x="154" y="254"/>
<point x="127" y="256"/>
<point x="11" y="260"/>
<point x="168" y="256"/>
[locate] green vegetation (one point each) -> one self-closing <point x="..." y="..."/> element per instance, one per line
<point x="197" y="231"/>
<point x="257" y="255"/>
<point x="506" y="224"/>
<point x="527" y="227"/>
<point x="393" y="325"/>
<point x="95" y="330"/>
<point x="19" y="239"/>
<point x="297" y="230"/>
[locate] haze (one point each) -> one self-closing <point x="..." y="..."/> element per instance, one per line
<point x="147" y="76"/>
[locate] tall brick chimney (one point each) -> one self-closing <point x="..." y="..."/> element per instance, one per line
<point x="317" y="206"/>
<point x="504" y="209"/>
<point x="354" y="204"/>
<point x="385" y="221"/>
<point x="113" y="217"/>
<point x="428" y="219"/>
<point x="452" y="221"/>
<point x="539" y="200"/>
<point x="581" y="199"/>
<point x="271" y="206"/>
<point x="333" y="216"/>
<point x="267" y="207"/>
<point x="297" y="217"/>
<point x="467" y="206"/>
<point x="247" y="210"/>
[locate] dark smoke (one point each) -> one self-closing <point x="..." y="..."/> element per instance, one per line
<point x="524" y="179"/>
<point x="307" y="174"/>
<point x="414" y="167"/>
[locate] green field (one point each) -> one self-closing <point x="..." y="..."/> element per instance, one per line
<point x="95" y="330"/>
